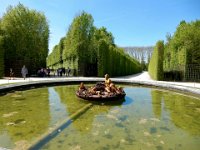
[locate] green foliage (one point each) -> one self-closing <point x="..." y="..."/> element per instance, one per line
<point x="79" y="37"/>
<point x="156" y="63"/>
<point x="102" y="64"/>
<point x="38" y="118"/>
<point x="183" y="47"/>
<point x="157" y="102"/>
<point x="115" y="62"/>
<point x="56" y="57"/>
<point x="26" y="35"/>
<point x="103" y="42"/>
<point x="1" y="55"/>
<point x="177" y="106"/>
<point x="85" y="46"/>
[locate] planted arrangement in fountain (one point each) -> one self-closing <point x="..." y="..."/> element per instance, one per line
<point x="101" y="91"/>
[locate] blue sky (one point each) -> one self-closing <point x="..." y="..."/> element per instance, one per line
<point x="132" y="22"/>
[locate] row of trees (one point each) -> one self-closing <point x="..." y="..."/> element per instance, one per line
<point x="91" y="51"/>
<point x="114" y="61"/>
<point x="24" y="38"/>
<point x="184" y="46"/>
<point x="141" y="54"/>
<point x="181" y="51"/>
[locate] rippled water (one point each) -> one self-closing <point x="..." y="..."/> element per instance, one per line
<point x="147" y="119"/>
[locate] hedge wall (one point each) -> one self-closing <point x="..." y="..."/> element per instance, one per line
<point x="115" y="62"/>
<point x="91" y="51"/>
<point x="182" y="52"/>
<point x="155" y="68"/>
<point x="110" y="59"/>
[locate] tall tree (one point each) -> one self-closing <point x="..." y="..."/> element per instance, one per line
<point x="182" y="51"/>
<point x="26" y="36"/>
<point x="78" y="40"/>
<point x="79" y="36"/>
<point x="92" y="51"/>
<point x="183" y="47"/>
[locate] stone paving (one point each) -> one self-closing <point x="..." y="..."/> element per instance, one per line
<point x="141" y="79"/>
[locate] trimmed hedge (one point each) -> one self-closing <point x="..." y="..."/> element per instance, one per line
<point x="155" y="68"/>
<point x="91" y="51"/>
<point x="110" y="60"/>
<point x="183" y="49"/>
<point x="115" y="62"/>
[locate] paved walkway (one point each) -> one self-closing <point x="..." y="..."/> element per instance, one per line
<point x="141" y="78"/>
<point x="144" y="76"/>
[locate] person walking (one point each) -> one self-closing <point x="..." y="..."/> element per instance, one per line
<point x="24" y="72"/>
<point x="68" y="71"/>
<point x="11" y="74"/>
<point x="48" y="72"/>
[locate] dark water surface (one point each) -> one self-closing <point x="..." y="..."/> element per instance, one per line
<point x="147" y="119"/>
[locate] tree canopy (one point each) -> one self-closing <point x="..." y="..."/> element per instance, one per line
<point x="181" y="58"/>
<point x="183" y="47"/>
<point x="90" y="49"/>
<point x="26" y="36"/>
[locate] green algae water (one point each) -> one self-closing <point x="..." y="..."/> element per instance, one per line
<point x="26" y="115"/>
<point x="147" y="119"/>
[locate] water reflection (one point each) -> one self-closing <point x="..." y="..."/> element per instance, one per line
<point x="184" y="110"/>
<point x="156" y="102"/>
<point x="23" y="115"/>
<point x="145" y="119"/>
<point x="142" y="121"/>
<point x="84" y="123"/>
<point x="73" y="104"/>
<point x="69" y="99"/>
<point x="57" y="108"/>
<point x="26" y="115"/>
<point x="128" y="100"/>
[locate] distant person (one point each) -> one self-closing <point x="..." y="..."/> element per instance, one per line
<point x="54" y="72"/>
<point x="60" y="71"/>
<point x="63" y="71"/>
<point x="48" y="72"/>
<point x="24" y="72"/>
<point x="11" y="74"/>
<point x="68" y="71"/>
